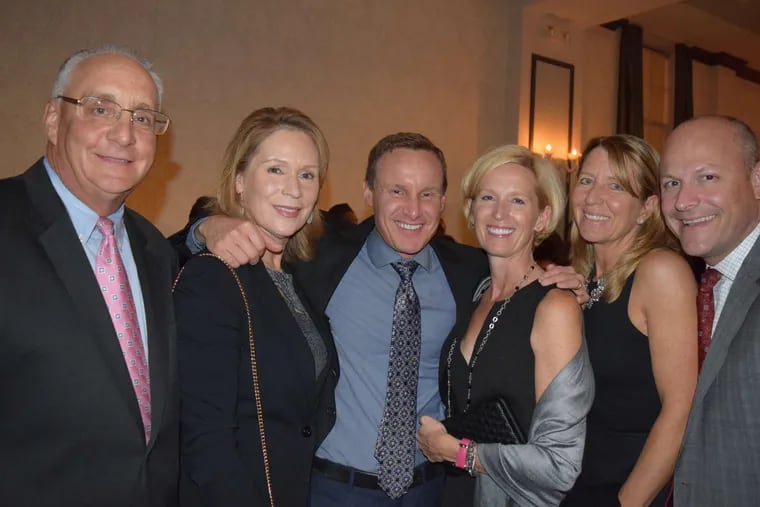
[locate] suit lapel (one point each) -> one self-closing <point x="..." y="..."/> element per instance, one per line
<point x="350" y="245"/>
<point x="744" y="292"/>
<point x="320" y="277"/>
<point x="461" y="281"/>
<point x="61" y="244"/>
<point x="149" y="262"/>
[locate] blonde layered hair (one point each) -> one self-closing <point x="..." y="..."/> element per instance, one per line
<point x="254" y="129"/>
<point x="634" y="164"/>
<point x="549" y="189"/>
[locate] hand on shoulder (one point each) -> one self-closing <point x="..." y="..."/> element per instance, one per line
<point x="565" y="277"/>
<point x="236" y="240"/>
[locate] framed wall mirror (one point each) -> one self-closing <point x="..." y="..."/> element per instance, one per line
<point x="551" y="106"/>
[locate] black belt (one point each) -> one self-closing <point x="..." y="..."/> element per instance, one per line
<point x="340" y="473"/>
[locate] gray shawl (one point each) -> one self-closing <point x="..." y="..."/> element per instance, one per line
<point x="540" y="472"/>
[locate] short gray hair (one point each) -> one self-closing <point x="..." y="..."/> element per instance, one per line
<point x="72" y="62"/>
<point x="747" y="139"/>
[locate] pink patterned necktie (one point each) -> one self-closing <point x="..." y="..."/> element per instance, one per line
<point x="114" y="284"/>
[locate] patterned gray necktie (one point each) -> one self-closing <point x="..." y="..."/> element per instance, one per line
<point x="396" y="445"/>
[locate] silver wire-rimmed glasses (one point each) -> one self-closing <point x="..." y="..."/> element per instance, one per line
<point x="106" y="111"/>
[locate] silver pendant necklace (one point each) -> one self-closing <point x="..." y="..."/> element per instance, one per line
<point x="483" y="342"/>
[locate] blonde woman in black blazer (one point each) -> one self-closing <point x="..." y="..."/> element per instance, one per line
<point x="272" y="173"/>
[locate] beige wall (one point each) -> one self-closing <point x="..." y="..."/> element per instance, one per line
<point x="717" y="90"/>
<point x="600" y="61"/>
<point x="361" y="69"/>
<point x="457" y="71"/>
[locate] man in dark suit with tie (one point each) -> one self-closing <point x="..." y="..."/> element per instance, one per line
<point x="710" y="183"/>
<point x="89" y="398"/>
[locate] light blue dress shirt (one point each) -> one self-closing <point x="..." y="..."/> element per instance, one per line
<point x="361" y="318"/>
<point x="84" y="220"/>
<point x="190" y="242"/>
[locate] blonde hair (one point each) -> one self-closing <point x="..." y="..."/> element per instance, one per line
<point x="254" y="129"/>
<point x="549" y="188"/>
<point x="634" y="164"/>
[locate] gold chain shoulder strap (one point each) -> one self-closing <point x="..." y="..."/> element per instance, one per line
<point x="254" y="370"/>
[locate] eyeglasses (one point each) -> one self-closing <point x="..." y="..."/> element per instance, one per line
<point x="108" y="112"/>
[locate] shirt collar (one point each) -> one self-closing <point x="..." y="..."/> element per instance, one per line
<point x="381" y="254"/>
<point x="82" y="216"/>
<point x="730" y="265"/>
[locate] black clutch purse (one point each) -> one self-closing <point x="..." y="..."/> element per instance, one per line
<point x="490" y="421"/>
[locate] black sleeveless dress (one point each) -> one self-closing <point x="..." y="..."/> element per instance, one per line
<point x="625" y="407"/>
<point x="504" y="367"/>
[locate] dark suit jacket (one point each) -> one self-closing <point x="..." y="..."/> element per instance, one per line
<point x="719" y="462"/>
<point x="463" y="265"/>
<point x="70" y="430"/>
<point x="177" y="241"/>
<point x="221" y="450"/>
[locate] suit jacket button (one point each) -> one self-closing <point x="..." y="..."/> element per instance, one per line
<point x="306" y="431"/>
<point x="330" y="411"/>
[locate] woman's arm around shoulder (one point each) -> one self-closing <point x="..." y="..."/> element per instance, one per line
<point x="663" y="306"/>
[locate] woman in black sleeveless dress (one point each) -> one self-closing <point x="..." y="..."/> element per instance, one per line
<point x="641" y="327"/>
<point x="524" y="343"/>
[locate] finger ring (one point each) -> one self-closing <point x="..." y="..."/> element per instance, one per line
<point x="580" y="284"/>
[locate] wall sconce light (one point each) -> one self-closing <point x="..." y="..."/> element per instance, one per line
<point x="573" y="158"/>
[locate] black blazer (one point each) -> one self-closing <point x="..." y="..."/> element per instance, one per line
<point x="221" y="451"/>
<point x="70" y="430"/>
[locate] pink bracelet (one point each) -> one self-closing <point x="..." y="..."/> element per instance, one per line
<point x="462" y="453"/>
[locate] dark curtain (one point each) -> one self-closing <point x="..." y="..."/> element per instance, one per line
<point x="683" y="96"/>
<point x="630" y="114"/>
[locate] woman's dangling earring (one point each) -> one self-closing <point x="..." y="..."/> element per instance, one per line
<point x="310" y="219"/>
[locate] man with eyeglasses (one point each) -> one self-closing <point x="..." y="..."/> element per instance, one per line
<point x="87" y="356"/>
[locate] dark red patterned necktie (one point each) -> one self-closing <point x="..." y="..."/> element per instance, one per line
<point x="706" y="310"/>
